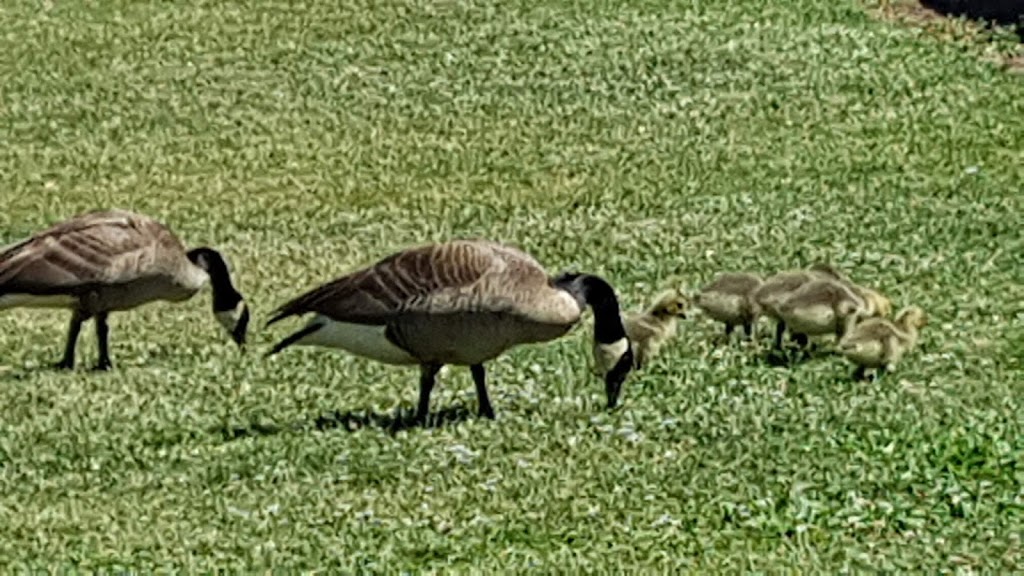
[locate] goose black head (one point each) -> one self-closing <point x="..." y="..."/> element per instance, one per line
<point x="671" y="303"/>
<point x="229" y="307"/>
<point x="613" y="352"/>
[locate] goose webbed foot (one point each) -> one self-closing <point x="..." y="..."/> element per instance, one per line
<point x="103" y="366"/>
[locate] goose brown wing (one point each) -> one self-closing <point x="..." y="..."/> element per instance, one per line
<point x="438" y="278"/>
<point x="94" y="248"/>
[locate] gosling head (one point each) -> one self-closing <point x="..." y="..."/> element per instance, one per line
<point x="912" y="316"/>
<point x="670" y="303"/>
<point x="881" y="303"/>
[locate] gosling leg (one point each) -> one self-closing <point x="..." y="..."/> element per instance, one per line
<point x="748" y="330"/>
<point x="780" y="331"/>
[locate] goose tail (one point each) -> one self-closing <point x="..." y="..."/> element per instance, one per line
<point x="292" y="339"/>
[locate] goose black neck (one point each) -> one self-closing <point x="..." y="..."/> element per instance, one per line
<point x="225" y="296"/>
<point x="597" y="293"/>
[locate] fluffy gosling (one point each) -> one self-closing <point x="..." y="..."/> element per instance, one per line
<point x="823" y="307"/>
<point x="650" y="329"/>
<point x="877" y="304"/>
<point x="775" y="289"/>
<point x="729" y="298"/>
<point x="879" y="344"/>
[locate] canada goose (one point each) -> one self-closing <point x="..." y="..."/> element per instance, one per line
<point x="650" y="329"/>
<point x="113" y="260"/>
<point x="879" y="343"/>
<point x="461" y="302"/>
<point x="823" y="306"/>
<point x="778" y="287"/>
<point x="729" y="298"/>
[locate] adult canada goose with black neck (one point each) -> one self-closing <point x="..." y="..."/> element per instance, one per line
<point x="104" y="261"/>
<point x="462" y="302"/>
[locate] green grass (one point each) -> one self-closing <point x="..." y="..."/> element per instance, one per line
<point x="652" y="142"/>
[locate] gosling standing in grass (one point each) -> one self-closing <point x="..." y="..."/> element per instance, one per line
<point x="878" y="344"/>
<point x="652" y="328"/>
<point x="729" y="299"/>
<point x="776" y="289"/>
<point x="823" y="307"/>
<point x="770" y="295"/>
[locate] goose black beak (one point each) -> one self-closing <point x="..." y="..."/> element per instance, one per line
<point x="239" y="332"/>
<point x="616" y="376"/>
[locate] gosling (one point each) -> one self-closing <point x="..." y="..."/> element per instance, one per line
<point x="823" y="307"/>
<point x="729" y="298"/>
<point x="878" y="344"/>
<point x="651" y="329"/>
<point x="775" y="289"/>
<point x="877" y="304"/>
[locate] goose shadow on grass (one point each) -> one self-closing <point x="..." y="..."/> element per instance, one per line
<point x="791" y="356"/>
<point x="351" y="421"/>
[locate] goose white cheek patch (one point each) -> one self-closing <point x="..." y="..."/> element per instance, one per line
<point x="229" y="318"/>
<point x="607" y="355"/>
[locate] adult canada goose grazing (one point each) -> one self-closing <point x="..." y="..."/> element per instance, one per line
<point x="113" y="260"/>
<point x="461" y="302"/>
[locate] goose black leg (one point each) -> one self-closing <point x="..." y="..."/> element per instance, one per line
<point x="860" y="373"/>
<point x="748" y="330"/>
<point x="428" y="372"/>
<point x="102" y="336"/>
<point x="68" y="361"/>
<point x="780" y="330"/>
<point x="479" y="376"/>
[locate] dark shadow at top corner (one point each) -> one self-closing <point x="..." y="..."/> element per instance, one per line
<point x="1000" y="12"/>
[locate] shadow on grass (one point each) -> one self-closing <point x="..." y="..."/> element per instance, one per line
<point x="791" y="355"/>
<point x="350" y="421"/>
<point x="1000" y="12"/>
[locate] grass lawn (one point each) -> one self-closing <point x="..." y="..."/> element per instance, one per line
<point x="653" y="142"/>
